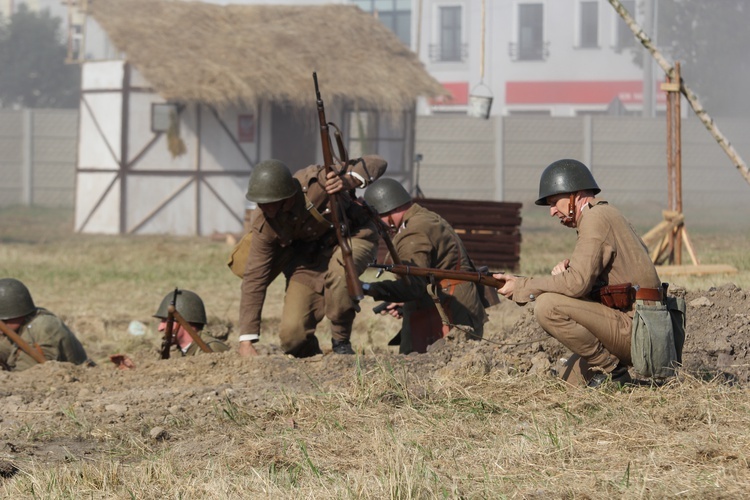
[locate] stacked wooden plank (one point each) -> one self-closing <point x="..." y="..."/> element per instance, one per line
<point x="490" y="230"/>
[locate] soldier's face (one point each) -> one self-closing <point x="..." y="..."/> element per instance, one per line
<point x="559" y="206"/>
<point x="271" y="210"/>
<point x="14" y="323"/>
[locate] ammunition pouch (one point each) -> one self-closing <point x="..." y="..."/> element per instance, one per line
<point x="620" y="296"/>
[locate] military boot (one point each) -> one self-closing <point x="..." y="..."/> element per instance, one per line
<point x="342" y="346"/>
<point x="618" y="376"/>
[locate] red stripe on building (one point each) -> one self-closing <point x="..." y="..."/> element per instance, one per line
<point x="459" y="94"/>
<point x="628" y="91"/>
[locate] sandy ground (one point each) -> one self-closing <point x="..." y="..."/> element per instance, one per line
<point x="126" y="403"/>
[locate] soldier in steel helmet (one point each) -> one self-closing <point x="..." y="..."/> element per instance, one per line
<point x="293" y="235"/>
<point x="191" y="307"/>
<point x="37" y="327"/>
<point x="608" y="252"/>
<point x="423" y="238"/>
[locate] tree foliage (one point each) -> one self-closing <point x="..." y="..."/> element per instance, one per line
<point x="712" y="41"/>
<point x="33" y="72"/>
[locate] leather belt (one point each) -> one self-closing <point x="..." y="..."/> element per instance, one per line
<point x="654" y="294"/>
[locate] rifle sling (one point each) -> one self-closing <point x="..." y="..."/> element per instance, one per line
<point x="310" y="207"/>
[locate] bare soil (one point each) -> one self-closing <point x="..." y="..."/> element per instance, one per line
<point x="104" y="409"/>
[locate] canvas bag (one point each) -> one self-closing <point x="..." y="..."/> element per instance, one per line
<point x="657" y="338"/>
<point x="240" y="253"/>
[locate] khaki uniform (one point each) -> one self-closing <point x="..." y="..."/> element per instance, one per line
<point x="426" y="240"/>
<point x="52" y="335"/>
<point x="608" y="252"/>
<point x="306" y="250"/>
<point x="215" y="344"/>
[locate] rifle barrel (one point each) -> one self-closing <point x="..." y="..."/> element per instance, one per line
<point x="426" y="272"/>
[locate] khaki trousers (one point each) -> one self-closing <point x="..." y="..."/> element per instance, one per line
<point x="304" y="308"/>
<point x="598" y="334"/>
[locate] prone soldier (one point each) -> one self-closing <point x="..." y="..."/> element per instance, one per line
<point x="46" y="335"/>
<point x="192" y="309"/>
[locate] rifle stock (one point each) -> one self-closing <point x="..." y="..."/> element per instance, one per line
<point x="21" y="343"/>
<point x="337" y="217"/>
<point x="441" y="274"/>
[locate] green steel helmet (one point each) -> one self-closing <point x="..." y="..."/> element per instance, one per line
<point x="386" y="194"/>
<point x="565" y="176"/>
<point x="270" y="181"/>
<point x="15" y="299"/>
<point x="189" y="305"/>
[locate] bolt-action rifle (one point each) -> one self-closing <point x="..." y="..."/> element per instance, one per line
<point x="338" y="217"/>
<point x="174" y="316"/>
<point x="35" y="352"/>
<point x="484" y="278"/>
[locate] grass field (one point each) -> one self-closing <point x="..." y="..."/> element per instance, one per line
<point x="374" y="426"/>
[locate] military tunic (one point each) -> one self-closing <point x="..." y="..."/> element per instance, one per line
<point x="426" y="240"/>
<point x="215" y="344"/>
<point x="608" y="251"/>
<point x="305" y="249"/>
<point x="52" y="335"/>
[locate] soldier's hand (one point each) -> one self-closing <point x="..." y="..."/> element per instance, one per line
<point x="247" y="349"/>
<point x="395" y="309"/>
<point x="561" y="267"/>
<point x="336" y="183"/>
<point x="509" y="286"/>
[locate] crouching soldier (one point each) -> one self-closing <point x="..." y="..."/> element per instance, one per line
<point x="39" y="334"/>
<point x="191" y="308"/>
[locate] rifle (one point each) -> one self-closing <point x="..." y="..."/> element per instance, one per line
<point x="337" y="216"/>
<point x="484" y="278"/>
<point x="35" y="352"/>
<point x="166" y="343"/>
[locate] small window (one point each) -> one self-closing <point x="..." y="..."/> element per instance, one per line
<point x="394" y="14"/>
<point x="531" y="32"/>
<point x="163" y="115"/>
<point x="589" y="24"/>
<point x="450" y="33"/>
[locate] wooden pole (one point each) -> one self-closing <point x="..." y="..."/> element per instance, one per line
<point x="678" y="165"/>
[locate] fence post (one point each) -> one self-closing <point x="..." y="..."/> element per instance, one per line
<point x="499" y="161"/>
<point x="588" y="141"/>
<point x="27" y="160"/>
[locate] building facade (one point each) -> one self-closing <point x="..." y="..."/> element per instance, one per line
<point x="539" y="57"/>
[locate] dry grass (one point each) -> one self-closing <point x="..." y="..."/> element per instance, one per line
<point x="379" y="426"/>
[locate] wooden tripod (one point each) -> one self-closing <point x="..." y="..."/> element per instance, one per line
<point x="668" y="236"/>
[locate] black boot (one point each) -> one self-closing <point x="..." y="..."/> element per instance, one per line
<point x="342" y="346"/>
<point x="618" y="376"/>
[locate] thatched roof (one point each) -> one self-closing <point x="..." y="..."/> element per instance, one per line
<point x="243" y="54"/>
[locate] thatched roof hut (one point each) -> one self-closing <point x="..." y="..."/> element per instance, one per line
<point x="243" y="54"/>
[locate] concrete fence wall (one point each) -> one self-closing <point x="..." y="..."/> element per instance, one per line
<point x="502" y="158"/>
<point x="38" y="157"/>
<point x="498" y="159"/>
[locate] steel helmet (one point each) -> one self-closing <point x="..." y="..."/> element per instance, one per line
<point x="15" y="299"/>
<point x="565" y="176"/>
<point x="188" y="304"/>
<point x="385" y="195"/>
<point x="270" y="181"/>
